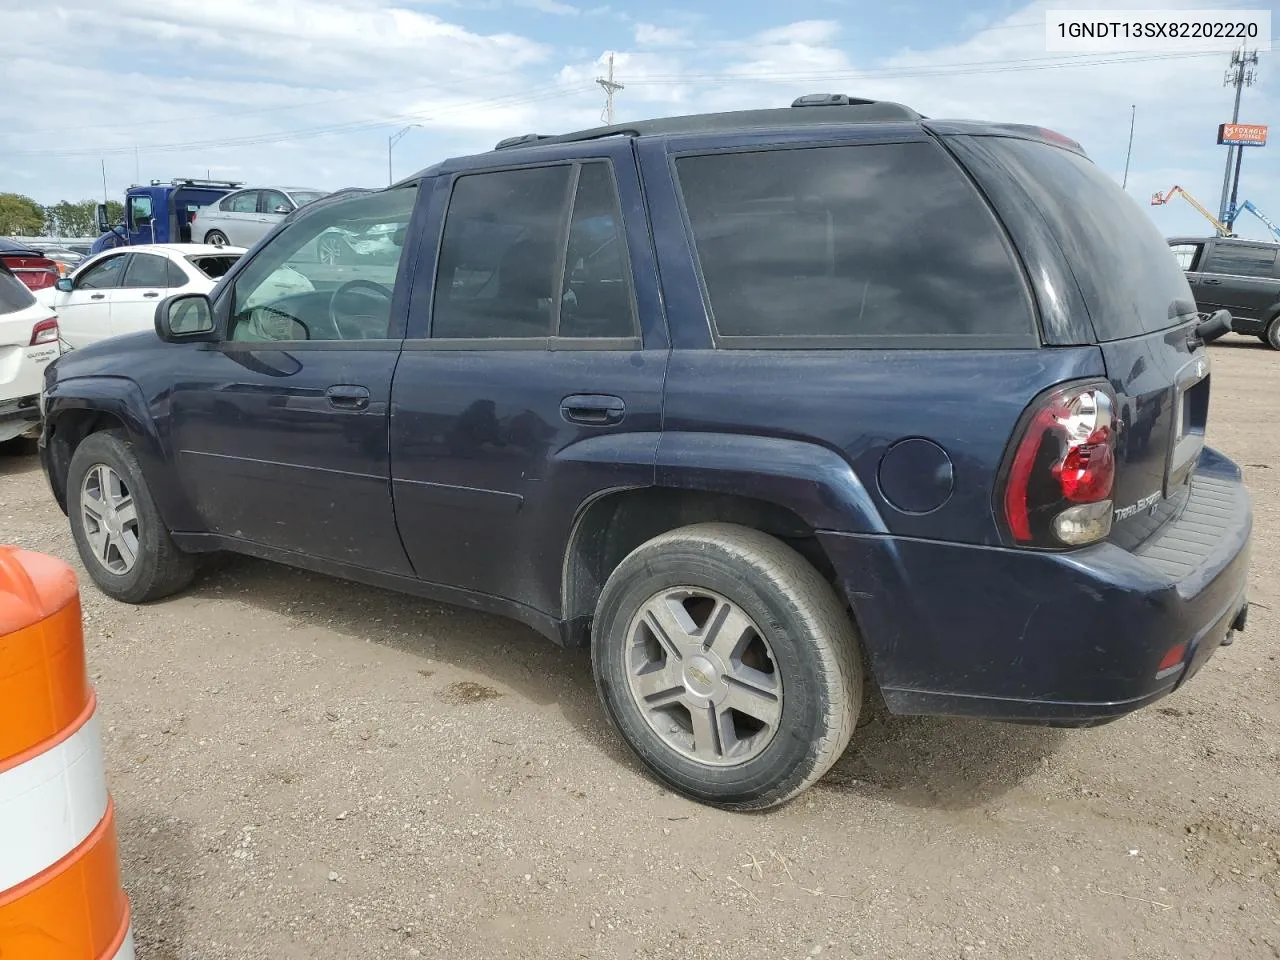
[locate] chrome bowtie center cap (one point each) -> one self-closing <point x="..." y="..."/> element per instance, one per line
<point x="701" y="675"/>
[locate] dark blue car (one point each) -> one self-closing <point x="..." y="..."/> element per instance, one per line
<point x="775" y="410"/>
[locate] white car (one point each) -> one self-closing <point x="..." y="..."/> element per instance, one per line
<point x="28" y="342"/>
<point x="117" y="291"/>
<point x="248" y="215"/>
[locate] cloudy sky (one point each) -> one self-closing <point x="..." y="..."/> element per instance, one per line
<point x="307" y="92"/>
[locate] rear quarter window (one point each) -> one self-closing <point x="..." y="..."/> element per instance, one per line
<point x="874" y="245"/>
<point x="1242" y="259"/>
<point x="1120" y="261"/>
<point x="14" y="295"/>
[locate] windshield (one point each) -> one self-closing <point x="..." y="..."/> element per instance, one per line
<point x="1118" y="257"/>
<point x="303" y="197"/>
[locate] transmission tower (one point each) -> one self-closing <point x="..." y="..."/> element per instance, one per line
<point x="1240" y="74"/>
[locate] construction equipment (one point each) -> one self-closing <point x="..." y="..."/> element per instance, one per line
<point x="1159" y="199"/>
<point x="1248" y="205"/>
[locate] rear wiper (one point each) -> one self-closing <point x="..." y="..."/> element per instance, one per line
<point x="1209" y="329"/>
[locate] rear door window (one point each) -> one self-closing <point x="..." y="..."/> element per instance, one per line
<point x="145" y="270"/>
<point x="1119" y="259"/>
<point x="876" y="244"/>
<point x="1242" y="259"/>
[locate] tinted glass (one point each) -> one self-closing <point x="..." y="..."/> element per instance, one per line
<point x="242" y="202"/>
<point x="288" y="292"/>
<point x="145" y="270"/>
<point x="14" y="294"/>
<point x="883" y="241"/>
<point x="173" y="275"/>
<point x="103" y="275"/>
<point x="272" y="199"/>
<point x="1185" y="254"/>
<point x="597" y="290"/>
<point x="1120" y="261"/>
<point x="500" y="255"/>
<point x="1242" y="259"/>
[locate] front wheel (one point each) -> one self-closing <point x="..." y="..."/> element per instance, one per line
<point x="121" y="539"/>
<point x="728" y="664"/>
<point x="1272" y="337"/>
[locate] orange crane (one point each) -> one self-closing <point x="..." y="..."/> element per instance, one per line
<point x="1159" y="199"/>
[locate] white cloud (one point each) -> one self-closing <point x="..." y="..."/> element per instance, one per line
<point x="320" y="84"/>
<point x="648" y="35"/>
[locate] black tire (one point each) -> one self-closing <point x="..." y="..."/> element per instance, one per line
<point x="811" y="636"/>
<point x="217" y="238"/>
<point x="1272" y="337"/>
<point x="161" y="568"/>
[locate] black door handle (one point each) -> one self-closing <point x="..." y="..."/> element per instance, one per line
<point x="593" y="409"/>
<point x="348" y="396"/>
<point x="1210" y="282"/>
<point x="151" y="294"/>
<point x="97" y="296"/>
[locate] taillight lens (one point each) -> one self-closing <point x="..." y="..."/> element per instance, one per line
<point x="46" y="331"/>
<point x="1058" y="483"/>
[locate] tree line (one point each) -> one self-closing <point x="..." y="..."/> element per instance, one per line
<point x="22" y="217"/>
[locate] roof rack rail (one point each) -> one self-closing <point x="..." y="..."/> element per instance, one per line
<point x="829" y="100"/>
<point x="840" y="108"/>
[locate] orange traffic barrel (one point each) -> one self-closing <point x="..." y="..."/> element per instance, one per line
<point x="60" y="893"/>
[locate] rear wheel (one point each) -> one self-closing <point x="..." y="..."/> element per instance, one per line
<point x="728" y="664"/>
<point x="121" y="539"/>
<point x="1272" y="337"/>
<point x="216" y="237"/>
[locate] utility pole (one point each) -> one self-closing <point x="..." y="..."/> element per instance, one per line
<point x="391" y="142"/>
<point x="610" y="87"/>
<point x="1133" y="115"/>
<point x="105" y="197"/>
<point x="1239" y="75"/>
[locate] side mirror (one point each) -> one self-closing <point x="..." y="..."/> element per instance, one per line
<point x="1206" y="331"/>
<point x="65" y="284"/>
<point x="282" y="209"/>
<point x="185" y="318"/>
<point x="103" y="223"/>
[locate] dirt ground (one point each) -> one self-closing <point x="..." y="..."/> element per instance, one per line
<point x="305" y="768"/>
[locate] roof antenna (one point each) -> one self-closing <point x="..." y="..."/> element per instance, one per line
<point x="610" y="86"/>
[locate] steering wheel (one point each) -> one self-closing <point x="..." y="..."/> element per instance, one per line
<point x="351" y="285"/>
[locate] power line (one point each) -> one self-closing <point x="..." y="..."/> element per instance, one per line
<point x="313" y="132"/>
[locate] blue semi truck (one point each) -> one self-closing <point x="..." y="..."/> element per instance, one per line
<point x="159" y="212"/>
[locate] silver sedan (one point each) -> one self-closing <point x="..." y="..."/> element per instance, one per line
<point x="244" y="217"/>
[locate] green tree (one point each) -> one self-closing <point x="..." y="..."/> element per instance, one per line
<point x="19" y="215"/>
<point x="67" y="219"/>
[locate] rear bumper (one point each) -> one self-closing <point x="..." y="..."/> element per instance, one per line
<point x="1071" y="638"/>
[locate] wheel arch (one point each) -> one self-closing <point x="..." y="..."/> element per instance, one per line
<point x="76" y="409"/>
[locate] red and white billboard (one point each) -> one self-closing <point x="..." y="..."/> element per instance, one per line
<point x="1242" y="134"/>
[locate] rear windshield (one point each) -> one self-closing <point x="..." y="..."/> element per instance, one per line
<point x="214" y="267"/>
<point x="1120" y="260"/>
<point x="14" y="295"/>
<point x="884" y="244"/>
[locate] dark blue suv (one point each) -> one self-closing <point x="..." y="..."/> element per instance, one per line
<point x="769" y="408"/>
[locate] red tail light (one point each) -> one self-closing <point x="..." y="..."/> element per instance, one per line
<point x="46" y="331"/>
<point x="1058" y="481"/>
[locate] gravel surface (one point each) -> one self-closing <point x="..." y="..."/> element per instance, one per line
<point x="306" y="768"/>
